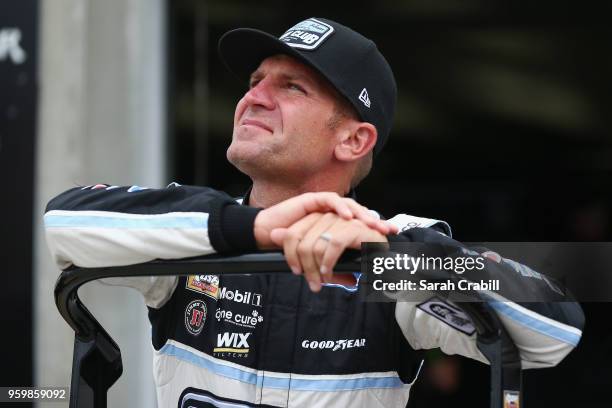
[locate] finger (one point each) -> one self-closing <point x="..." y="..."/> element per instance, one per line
<point x="310" y="248"/>
<point x="386" y="228"/>
<point x="309" y="266"/>
<point x="347" y="208"/>
<point x="370" y="218"/>
<point x="333" y="202"/>
<point x="360" y="212"/>
<point x="342" y="234"/>
<point x="381" y="227"/>
<point x="292" y="238"/>
<point x="320" y="247"/>
<point x="394" y="229"/>
<point x="323" y="238"/>
<point x="277" y="235"/>
<point x="346" y="234"/>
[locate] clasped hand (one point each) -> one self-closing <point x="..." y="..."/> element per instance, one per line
<point x="313" y="229"/>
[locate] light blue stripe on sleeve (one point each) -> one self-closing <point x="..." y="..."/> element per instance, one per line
<point x="282" y="383"/>
<point x="535" y="324"/>
<point x="149" y="222"/>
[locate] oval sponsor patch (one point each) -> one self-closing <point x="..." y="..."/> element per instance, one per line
<point x="195" y="317"/>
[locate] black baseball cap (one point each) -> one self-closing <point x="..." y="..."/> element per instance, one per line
<point x="349" y="61"/>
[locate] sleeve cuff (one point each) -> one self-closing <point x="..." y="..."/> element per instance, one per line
<point x="230" y="227"/>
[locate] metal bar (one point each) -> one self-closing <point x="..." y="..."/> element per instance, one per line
<point x="97" y="358"/>
<point x="504" y="358"/>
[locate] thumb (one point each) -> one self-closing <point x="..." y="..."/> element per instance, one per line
<point x="278" y="236"/>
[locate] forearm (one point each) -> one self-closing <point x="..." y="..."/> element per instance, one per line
<point x="544" y="331"/>
<point x="120" y="226"/>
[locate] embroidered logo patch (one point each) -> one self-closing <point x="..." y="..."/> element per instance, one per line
<point x="238" y="319"/>
<point x="238" y="296"/>
<point x="206" y="284"/>
<point x="195" y="317"/>
<point x="454" y="317"/>
<point x="333" y="345"/>
<point x="307" y="34"/>
<point x="234" y="344"/>
<point x="364" y="97"/>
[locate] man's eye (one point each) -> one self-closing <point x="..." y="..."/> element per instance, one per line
<point x="296" y="87"/>
<point x="253" y="83"/>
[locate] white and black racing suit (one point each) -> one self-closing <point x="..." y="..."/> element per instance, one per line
<point x="267" y="340"/>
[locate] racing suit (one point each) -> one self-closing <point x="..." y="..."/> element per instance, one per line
<point x="267" y="340"/>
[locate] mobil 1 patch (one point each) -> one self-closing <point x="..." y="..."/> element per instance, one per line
<point x="449" y="314"/>
<point x="308" y="34"/>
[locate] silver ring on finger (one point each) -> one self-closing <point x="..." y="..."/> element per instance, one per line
<point x="326" y="236"/>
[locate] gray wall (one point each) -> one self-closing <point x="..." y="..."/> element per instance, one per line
<point x="101" y="120"/>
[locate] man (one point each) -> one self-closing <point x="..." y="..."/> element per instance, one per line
<point x="320" y="104"/>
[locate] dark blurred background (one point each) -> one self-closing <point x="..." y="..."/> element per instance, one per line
<point x="18" y="104"/>
<point x="503" y="129"/>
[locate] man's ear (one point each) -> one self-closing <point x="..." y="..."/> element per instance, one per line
<point x="356" y="142"/>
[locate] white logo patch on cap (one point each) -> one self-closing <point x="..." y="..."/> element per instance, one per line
<point x="364" y="97"/>
<point x="307" y="34"/>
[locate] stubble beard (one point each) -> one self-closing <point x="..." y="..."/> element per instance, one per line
<point x="253" y="164"/>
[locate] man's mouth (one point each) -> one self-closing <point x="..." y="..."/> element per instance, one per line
<point x="252" y="122"/>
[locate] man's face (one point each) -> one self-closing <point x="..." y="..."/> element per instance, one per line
<point x="282" y="124"/>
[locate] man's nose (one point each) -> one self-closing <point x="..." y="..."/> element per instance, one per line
<point x="260" y="95"/>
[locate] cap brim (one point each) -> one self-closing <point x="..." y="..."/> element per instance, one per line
<point x="243" y="49"/>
